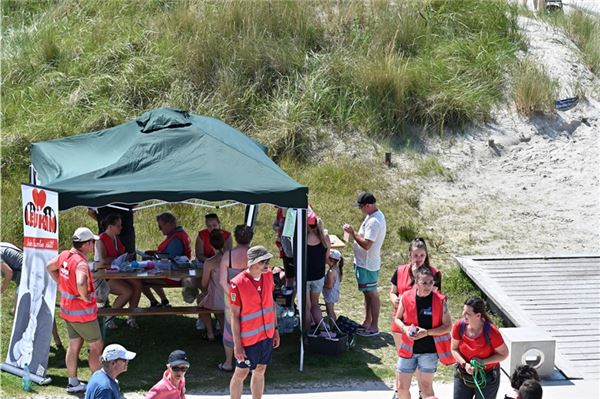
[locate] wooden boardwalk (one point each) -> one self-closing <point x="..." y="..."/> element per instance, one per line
<point x="560" y="294"/>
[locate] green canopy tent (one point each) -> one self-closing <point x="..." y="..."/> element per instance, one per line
<point x="172" y="156"/>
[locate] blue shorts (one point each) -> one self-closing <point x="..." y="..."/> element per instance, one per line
<point x="366" y="279"/>
<point x="259" y="353"/>
<point x="425" y="362"/>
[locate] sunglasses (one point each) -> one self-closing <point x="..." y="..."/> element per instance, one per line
<point x="178" y="369"/>
<point x="265" y="262"/>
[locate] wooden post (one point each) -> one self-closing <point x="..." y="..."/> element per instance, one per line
<point x="388" y="159"/>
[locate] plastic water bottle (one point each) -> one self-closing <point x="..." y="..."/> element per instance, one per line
<point x="26" y="379"/>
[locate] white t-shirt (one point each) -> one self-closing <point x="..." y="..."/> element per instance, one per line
<point x="373" y="228"/>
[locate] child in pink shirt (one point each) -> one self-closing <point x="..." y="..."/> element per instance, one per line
<point x="172" y="385"/>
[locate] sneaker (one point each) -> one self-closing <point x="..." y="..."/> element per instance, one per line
<point x="395" y="395"/>
<point x="76" y="388"/>
<point x="133" y="323"/>
<point x="165" y="303"/>
<point x="200" y="325"/>
<point x="110" y="324"/>
<point x="366" y="333"/>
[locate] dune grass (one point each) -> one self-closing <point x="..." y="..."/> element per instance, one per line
<point x="584" y="30"/>
<point x="534" y="91"/>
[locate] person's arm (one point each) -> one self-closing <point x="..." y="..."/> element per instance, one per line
<point x="330" y="280"/>
<point x="462" y="362"/>
<point x="52" y="267"/>
<point x="7" y="275"/>
<point x="398" y="319"/>
<point x="81" y="278"/>
<point x="199" y="248"/>
<point x="223" y="273"/>
<point x="103" y="253"/>
<point x="238" y="350"/>
<point x="228" y="244"/>
<point x="394" y="297"/>
<point x="276" y="338"/>
<point x="500" y="353"/>
<point x="175" y="248"/>
<point x="446" y="323"/>
<point x="208" y="266"/>
<point x="360" y="240"/>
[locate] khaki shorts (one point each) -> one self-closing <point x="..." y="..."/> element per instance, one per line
<point x="90" y="331"/>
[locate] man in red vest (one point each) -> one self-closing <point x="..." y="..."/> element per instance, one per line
<point x="78" y="303"/>
<point x="176" y="243"/>
<point x="253" y="322"/>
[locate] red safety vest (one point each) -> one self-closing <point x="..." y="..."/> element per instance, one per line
<point x="185" y="239"/>
<point x="257" y="319"/>
<point x="442" y="342"/>
<point x="109" y="244"/>
<point x="72" y="308"/>
<point x="403" y="284"/>
<point x="204" y="235"/>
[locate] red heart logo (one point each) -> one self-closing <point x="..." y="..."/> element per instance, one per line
<point x="39" y="198"/>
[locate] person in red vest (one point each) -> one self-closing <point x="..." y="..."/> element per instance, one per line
<point x="403" y="280"/>
<point x="425" y="322"/>
<point x="176" y="243"/>
<point x="78" y="303"/>
<point x="108" y="248"/>
<point x="203" y="248"/>
<point x="253" y="322"/>
<point x="475" y="337"/>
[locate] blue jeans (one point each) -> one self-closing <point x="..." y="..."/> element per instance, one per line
<point x="492" y="384"/>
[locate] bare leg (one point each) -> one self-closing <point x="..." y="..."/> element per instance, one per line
<point x="228" y="364"/>
<point x="72" y="356"/>
<point x="236" y="385"/>
<point x="315" y="310"/>
<point x="257" y="382"/>
<point x="404" y="385"/>
<point x="331" y="310"/>
<point x="94" y="355"/>
<point x="366" y="324"/>
<point x="123" y="292"/>
<point x="148" y="293"/>
<point x="205" y="317"/>
<point x="426" y="384"/>
<point x="136" y="293"/>
<point x="161" y="293"/>
<point x="374" y="304"/>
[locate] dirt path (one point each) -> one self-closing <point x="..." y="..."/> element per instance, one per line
<point x="535" y="188"/>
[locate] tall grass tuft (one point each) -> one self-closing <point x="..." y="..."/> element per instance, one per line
<point x="534" y="91"/>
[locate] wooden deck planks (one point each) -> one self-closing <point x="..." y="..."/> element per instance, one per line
<point x="551" y="293"/>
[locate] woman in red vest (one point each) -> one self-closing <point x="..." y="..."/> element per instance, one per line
<point x="403" y="280"/>
<point x="425" y="322"/>
<point x="108" y="248"/>
<point x="475" y="337"/>
<point x="203" y="249"/>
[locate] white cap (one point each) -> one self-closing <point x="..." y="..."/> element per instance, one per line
<point x="83" y="234"/>
<point x="116" y="351"/>
<point x="335" y="254"/>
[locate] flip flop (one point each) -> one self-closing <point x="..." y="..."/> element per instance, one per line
<point x="220" y="366"/>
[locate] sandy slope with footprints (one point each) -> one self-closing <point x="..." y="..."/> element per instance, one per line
<point x="526" y="186"/>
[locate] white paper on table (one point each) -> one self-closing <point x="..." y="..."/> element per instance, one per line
<point x="192" y="272"/>
<point x="144" y="274"/>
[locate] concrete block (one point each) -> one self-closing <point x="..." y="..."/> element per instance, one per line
<point x="529" y="345"/>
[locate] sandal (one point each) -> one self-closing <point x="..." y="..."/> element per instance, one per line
<point x="110" y="323"/>
<point x="132" y="323"/>
<point x="222" y="368"/>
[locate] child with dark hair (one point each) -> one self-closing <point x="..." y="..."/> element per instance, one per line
<point x="521" y="374"/>
<point x="530" y="389"/>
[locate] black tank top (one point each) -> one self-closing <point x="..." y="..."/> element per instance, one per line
<point x="315" y="261"/>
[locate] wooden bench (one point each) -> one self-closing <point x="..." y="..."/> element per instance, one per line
<point x="172" y="310"/>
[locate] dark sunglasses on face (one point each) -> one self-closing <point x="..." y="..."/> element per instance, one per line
<point x="265" y="262"/>
<point x="178" y="369"/>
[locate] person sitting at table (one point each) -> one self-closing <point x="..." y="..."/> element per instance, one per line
<point x="204" y="249"/>
<point x="214" y="297"/>
<point x="177" y="243"/>
<point x="109" y="247"/>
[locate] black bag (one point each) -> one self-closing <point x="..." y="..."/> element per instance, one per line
<point x="329" y="340"/>
<point x="347" y="325"/>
